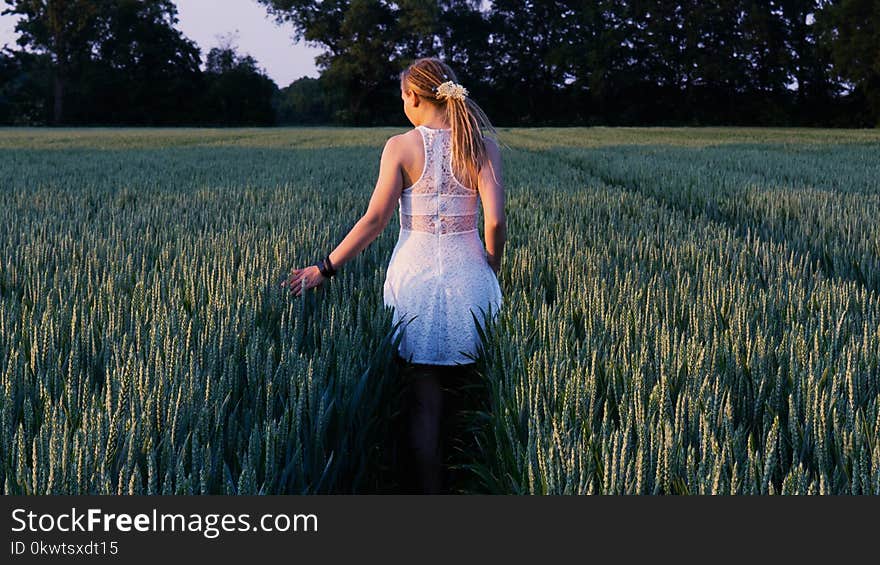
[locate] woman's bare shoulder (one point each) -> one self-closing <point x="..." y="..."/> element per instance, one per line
<point x="493" y="152"/>
<point x="489" y="174"/>
<point x="406" y="145"/>
<point x="412" y="133"/>
<point x="402" y="141"/>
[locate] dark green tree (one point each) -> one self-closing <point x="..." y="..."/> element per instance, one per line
<point x="716" y="68"/>
<point x="630" y="59"/>
<point x="304" y="101"/>
<point x="365" y="41"/>
<point x="763" y="34"/>
<point x="145" y="71"/>
<point x="850" y="30"/>
<point x="66" y="30"/>
<point x="25" y="93"/>
<point x="530" y="49"/>
<point x="808" y="64"/>
<point x="113" y="61"/>
<point x="238" y="91"/>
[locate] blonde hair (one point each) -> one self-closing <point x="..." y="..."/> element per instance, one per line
<point x="465" y="117"/>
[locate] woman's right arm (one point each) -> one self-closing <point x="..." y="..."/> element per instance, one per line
<point x="491" y="188"/>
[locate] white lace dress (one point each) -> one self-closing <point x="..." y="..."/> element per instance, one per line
<point x="438" y="273"/>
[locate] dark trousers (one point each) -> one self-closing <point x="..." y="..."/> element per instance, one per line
<point x="431" y="424"/>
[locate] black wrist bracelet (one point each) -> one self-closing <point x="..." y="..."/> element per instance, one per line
<point x="323" y="268"/>
<point x="326" y="267"/>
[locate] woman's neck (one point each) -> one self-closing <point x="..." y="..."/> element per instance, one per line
<point x="435" y="122"/>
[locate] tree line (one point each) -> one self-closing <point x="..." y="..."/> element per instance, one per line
<point x="529" y="63"/>
<point x="108" y="62"/>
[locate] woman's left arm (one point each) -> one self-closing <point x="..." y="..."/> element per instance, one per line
<point x="368" y="227"/>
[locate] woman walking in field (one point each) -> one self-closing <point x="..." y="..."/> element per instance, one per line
<point x="439" y="272"/>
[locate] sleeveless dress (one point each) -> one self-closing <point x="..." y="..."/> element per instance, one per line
<point x="438" y="273"/>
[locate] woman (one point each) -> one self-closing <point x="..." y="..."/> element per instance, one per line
<point x="439" y="273"/>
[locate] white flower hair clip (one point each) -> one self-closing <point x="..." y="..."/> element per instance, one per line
<point x="450" y="89"/>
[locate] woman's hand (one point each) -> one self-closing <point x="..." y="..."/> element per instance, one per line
<point x="311" y="276"/>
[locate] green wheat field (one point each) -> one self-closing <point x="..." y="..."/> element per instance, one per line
<point x="686" y="311"/>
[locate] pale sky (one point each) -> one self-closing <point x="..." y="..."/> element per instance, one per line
<point x="255" y="32"/>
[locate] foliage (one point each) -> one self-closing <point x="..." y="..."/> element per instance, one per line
<point x="304" y="101"/>
<point x="554" y="62"/>
<point x="238" y="92"/>
<point x="24" y="98"/>
<point x="124" y="62"/>
<point x="850" y="29"/>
